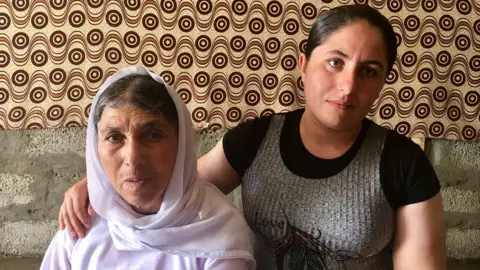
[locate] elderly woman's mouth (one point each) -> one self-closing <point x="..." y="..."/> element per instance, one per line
<point x="136" y="179"/>
<point x="136" y="182"/>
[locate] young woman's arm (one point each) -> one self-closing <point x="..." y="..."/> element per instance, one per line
<point x="73" y="211"/>
<point x="214" y="167"/>
<point x="420" y="236"/>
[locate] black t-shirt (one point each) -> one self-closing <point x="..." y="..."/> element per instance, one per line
<point x="406" y="174"/>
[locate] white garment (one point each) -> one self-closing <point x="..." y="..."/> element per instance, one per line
<point x="195" y="227"/>
<point x="97" y="251"/>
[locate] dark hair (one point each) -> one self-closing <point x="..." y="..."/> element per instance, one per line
<point x="330" y="21"/>
<point x="140" y="91"/>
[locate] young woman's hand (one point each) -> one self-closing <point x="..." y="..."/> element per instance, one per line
<point x="75" y="210"/>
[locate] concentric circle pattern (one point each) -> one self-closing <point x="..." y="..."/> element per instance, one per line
<point x="231" y="60"/>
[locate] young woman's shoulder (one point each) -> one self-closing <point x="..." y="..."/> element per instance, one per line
<point x="406" y="172"/>
<point x="242" y="142"/>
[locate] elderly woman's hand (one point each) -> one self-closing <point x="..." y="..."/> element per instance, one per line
<point x="73" y="212"/>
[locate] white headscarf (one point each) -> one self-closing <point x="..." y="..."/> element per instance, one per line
<point x="194" y="218"/>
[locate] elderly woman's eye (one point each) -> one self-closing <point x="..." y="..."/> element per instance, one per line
<point x="155" y="136"/>
<point x="114" y="138"/>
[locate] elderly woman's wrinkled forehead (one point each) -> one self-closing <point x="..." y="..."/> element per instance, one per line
<point x="141" y="92"/>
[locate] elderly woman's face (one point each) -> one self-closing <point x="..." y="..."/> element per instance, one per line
<point x="138" y="151"/>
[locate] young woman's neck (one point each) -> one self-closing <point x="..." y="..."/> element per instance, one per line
<point x="324" y="142"/>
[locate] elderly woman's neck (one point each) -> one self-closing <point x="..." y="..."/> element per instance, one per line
<point x="147" y="208"/>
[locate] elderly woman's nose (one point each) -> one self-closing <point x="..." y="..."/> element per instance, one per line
<point x="133" y="153"/>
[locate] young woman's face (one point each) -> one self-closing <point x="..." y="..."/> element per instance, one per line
<point x="138" y="151"/>
<point x="345" y="75"/>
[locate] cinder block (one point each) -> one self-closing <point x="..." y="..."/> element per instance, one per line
<point x="461" y="201"/>
<point x="464" y="244"/>
<point x="56" y="141"/>
<point x="26" y="238"/>
<point x="457" y="163"/>
<point x="14" y="189"/>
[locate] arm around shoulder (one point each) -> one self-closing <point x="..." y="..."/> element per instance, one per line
<point x="226" y="163"/>
<point x="214" y="167"/>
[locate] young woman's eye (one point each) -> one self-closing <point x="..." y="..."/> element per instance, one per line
<point x="335" y="63"/>
<point x="368" y="72"/>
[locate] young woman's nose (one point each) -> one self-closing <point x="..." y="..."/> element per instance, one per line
<point x="347" y="81"/>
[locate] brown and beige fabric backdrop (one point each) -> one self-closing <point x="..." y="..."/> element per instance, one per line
<point x="230" y="60"/>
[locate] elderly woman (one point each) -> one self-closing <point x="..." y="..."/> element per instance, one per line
<point x="154" y="213"/>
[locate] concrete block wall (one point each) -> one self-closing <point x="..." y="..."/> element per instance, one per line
<point x="457" y="164"/>
<point x="37" y="167"/>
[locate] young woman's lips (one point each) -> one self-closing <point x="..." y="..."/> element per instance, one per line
<point x="340" y="105"/>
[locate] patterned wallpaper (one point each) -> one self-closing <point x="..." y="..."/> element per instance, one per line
<point x="230" y="60"/>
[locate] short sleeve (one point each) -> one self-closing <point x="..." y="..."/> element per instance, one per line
<point x="406" y="173"/>
<point x="241" y="143"/>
